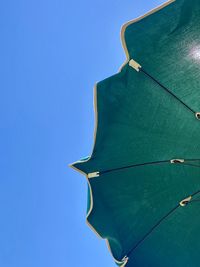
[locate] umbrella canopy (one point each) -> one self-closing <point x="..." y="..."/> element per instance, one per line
<point x="144" y="171"/>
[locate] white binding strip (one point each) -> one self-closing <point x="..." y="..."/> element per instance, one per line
<point x="123" y="263"/>
<point x="123" y="29"/>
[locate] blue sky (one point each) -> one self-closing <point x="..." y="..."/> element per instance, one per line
<point x="52" y="53"/>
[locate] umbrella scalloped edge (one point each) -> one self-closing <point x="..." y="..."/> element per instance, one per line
<point x="124" y="261"/>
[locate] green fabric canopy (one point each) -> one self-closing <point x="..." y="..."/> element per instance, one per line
<point x="144" y="171"/>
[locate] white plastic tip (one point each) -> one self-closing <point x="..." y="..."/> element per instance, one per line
<point x="135" y="65"/>
<point x="125" y="259"/>
<point x="177" y="161"/>
<point x="197" y="115"/>
<point x="93" y="174"/>
<point x="185" y="201"/>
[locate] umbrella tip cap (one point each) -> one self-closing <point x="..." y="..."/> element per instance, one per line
<point x="135" y="65"/>
<point x="93" y="174"/>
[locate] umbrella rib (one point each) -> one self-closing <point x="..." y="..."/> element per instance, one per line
<point x="152" y="229"/>
<point x="134" y="165"/>
<point x="159" y="222"/>
<point x="177" y="161"/>
<point x="193" y="165"/>
<point x="167" y="90"/>
<point x="135" y="65"/>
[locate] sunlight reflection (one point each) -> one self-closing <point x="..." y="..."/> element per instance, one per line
<point x="195" y="52"/>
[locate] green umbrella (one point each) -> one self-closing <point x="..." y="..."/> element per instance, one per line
<point x="144" y="171"/>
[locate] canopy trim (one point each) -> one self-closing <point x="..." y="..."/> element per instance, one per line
<point x="123" y="29"/>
